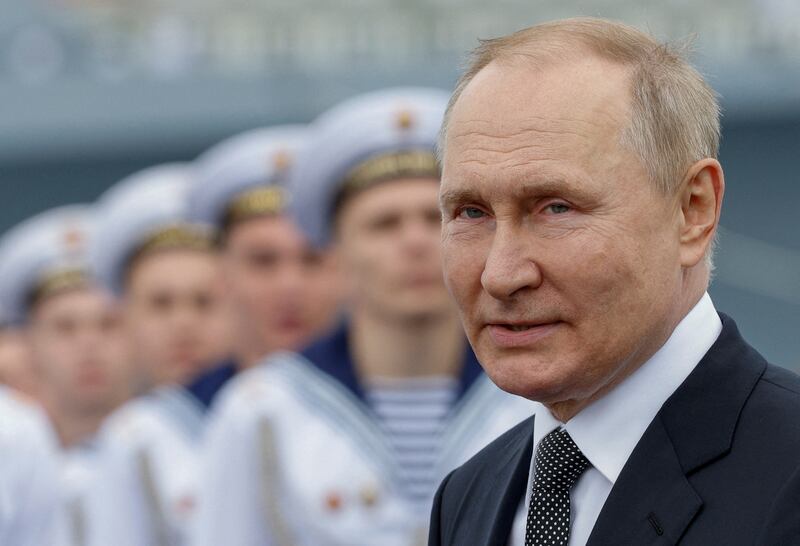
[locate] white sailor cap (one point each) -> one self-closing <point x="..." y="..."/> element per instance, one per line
<point x="245" y="175"/>
<point x="144" y="212"/>
<point x="45" y="254"/>
<point x="367" y="139"/>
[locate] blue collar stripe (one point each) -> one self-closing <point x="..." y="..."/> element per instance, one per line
<point x="331" y="355"/>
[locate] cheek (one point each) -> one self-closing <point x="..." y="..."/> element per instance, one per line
<point x="606" y="288"/>
<point x="462" y="267"/>
<point x="46" y="351"/>
<point x="365" y="265"/>
<point x="249" y="291"/>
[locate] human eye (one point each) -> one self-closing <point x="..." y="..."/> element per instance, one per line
<point x="385" y="223"/>
<point x="471" y="213"/>
<point x="557" y="208"/>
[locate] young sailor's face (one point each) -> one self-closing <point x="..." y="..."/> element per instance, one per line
<point x="176" y="314"/>
<point x="284" y="291"/>
<point x="388" y="240"/>
<point x="79" y="350"/>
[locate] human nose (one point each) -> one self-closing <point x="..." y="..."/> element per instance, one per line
<point x="509" y="267"/>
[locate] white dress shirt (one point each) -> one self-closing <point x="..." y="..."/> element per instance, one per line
<point x="608" y="430"/>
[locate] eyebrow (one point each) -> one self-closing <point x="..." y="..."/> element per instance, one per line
<point x="522" y="190"/>
<point x="456" y="195"/>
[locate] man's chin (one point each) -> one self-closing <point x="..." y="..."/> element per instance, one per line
<point x="539" y="387"/>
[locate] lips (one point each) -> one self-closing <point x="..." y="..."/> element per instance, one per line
<point x="513" y="335"/>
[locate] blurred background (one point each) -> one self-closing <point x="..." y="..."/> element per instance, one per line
<point x="92" y="90"/>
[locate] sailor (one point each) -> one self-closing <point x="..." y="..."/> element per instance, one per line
<point x="283" y="291"/>
<point x="16" y="369"/>
<point x="78" y="352"/>
<point x="29" y="501"/>
<point x="166" y="274"/>
<point x="345" y="442"/>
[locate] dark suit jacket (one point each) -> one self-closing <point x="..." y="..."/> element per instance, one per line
<point x="718" y="466"/>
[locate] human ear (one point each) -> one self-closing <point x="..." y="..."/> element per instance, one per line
<point x="701" y="195"/>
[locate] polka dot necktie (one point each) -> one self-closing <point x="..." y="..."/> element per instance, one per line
<point x="557" y="465"/>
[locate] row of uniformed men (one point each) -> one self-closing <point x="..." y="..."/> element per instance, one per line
<point x="291" y="276"/>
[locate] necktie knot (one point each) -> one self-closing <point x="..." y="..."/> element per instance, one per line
<point x="559" y="462"/>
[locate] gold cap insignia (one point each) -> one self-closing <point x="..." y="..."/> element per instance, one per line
<point x="73" y="239"/>
<point x="281" y="160"/>
<point x="404" y="120"/>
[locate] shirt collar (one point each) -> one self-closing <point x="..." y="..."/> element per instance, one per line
<point x="608" y="430"/>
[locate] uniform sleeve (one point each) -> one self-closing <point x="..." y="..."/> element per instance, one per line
<point x="36" y="490"/>
<point x="117" y="509"/>
<point x="231" y="507"/>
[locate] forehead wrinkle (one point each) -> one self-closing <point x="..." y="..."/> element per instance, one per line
<point x="492" y="136"/>
<point x="524" y="126"/>
<point x="509" y="152"/>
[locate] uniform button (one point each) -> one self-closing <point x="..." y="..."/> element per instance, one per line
<point x="369" y="496"/>
<point x="333" y="502"/>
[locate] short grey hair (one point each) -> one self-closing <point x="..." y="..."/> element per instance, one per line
<point x="675" y="115"/>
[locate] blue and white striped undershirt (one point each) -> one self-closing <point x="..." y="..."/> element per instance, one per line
<point x="413" y="413"/>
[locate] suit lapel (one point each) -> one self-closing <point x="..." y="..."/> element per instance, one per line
<point x="510" y="484"/>
<point x="653" y="501"/>
<point x="485" y="509"/>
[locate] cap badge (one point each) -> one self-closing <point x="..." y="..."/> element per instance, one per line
<point x="404" y="120"/>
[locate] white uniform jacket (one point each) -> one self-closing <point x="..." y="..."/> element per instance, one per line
<point x="29" y="487"/>
<point x="294" y="456"/>
<point x="144" y="492"/>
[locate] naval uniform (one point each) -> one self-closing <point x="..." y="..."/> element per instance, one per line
<point x="295" y="454"/>
<point x="208" y="385"/>
<point x="144" y="491"/>
<point x="28" y="474"/>
<point x="76" y="471"/>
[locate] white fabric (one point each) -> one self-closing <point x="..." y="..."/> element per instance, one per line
<point x="622" y="415"/>
<point x="241" y="163"/>
<point x="123" y="509"/>
<point x="28" y="475"/>
<point x="76" y="472"/>
<point x="50" y="242"/>
<point x="365" y="126"/>
<point x="333" y="480"/>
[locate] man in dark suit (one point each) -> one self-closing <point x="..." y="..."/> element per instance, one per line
<point x="580" y="197"/>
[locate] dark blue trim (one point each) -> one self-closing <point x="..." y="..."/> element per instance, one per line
<point x="206" y="387"/>
<point x="331" y="354"/>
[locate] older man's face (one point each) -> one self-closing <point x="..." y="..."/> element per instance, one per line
<point x="560" y="252"/>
